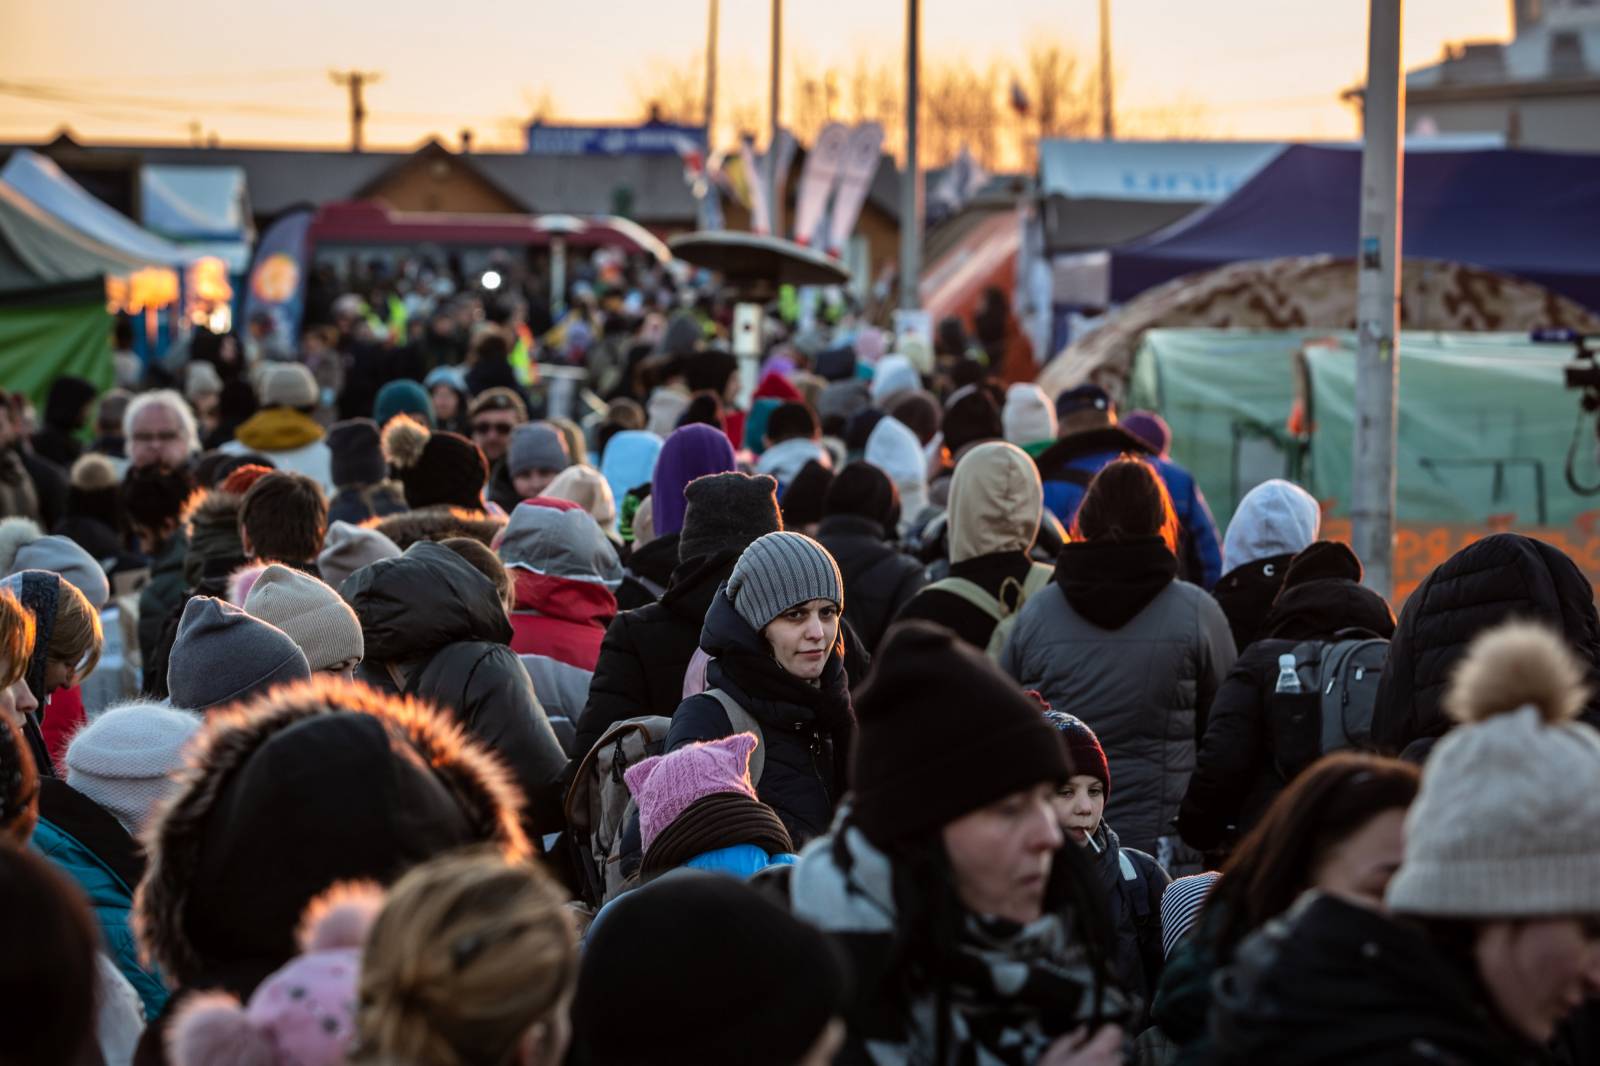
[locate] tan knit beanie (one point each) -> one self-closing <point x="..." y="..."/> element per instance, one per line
<point x="310" y="612"/>
<point x="1507" y="823"/>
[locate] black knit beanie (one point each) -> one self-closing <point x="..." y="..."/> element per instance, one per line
<point x="434" y="468"/>
<point x="970" y="415"/>
<point x="941" y="733"/>
<point x="356" y="457"/>
<point x="712" y="972"/>
<point x="863" y="490"/>
<point x="727" y="512"/>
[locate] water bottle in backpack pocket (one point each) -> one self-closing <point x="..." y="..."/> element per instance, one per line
<point x="1331" y="709"/>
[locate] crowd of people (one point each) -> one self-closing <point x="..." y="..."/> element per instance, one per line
<point x="360" y="709"/>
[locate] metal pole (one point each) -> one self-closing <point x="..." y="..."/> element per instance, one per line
<point x="911" y="173"/>
<point x="711" y="78"/>
<point x="1378" y="299"/>
<point x="774" y="207"/>
<point x="1107" y="122"/>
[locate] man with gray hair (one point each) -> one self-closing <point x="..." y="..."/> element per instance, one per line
<point x="160" y="430"/>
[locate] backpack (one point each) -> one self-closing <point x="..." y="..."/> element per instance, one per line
<point x="744" y="722"/>
<point x="1003" y="613"/>
<point x="599" y="805"/>
<point x="1333" y="711"/>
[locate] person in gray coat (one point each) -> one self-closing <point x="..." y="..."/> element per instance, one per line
<point x="1135" y="653"/>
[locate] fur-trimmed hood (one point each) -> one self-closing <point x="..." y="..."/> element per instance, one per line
<point x="211" y="520"/>
<point x="440" y="523"/>
<point x="317" y="783"/>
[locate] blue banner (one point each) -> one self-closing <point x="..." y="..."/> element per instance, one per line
<point x="652" y="138"/>
<point x="277" y="281"/>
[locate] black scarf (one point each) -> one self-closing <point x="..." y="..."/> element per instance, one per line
<point x="720" y="820"/>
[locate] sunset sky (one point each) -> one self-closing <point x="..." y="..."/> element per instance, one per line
<point x="256" y="73"/>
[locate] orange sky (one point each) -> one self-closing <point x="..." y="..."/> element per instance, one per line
<point x="256" y="72"/>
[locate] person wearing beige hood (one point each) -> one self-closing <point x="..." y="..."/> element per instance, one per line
<point x="996" y="502"/>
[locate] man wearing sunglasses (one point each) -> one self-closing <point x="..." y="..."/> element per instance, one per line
<point x="495" y="413"/>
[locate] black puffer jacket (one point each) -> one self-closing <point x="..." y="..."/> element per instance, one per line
<point x="1497" y="578"/>
<point x="806" y="730"/>
<point x="1236" y="775"/>
<point x="1335" y="982"/>
<point x="971" y="623"/>
<point x="1245" y="595"/>
<point x="1134" y="884"/>
<point x="647" y="572"/>
<point x="880" y="579"/>
<point x="441" y="623"/>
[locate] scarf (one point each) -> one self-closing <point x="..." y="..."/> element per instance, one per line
<point x="1010" y="990"/>
<point x="39" y="592"/>
<point x="720" y="820"/>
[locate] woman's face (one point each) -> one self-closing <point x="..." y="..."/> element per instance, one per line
<point x="58" y="674"/>
<point x="1537" y="972"/>
<point x="446" y="403"/>
<point x="16" y="702"/>
<point x="1080" y="805"/>
<point x="802" y="637"/>
<point x="531" y="483"/>
<point x="1359" y="867"/>
<point x="1000" y="854"/>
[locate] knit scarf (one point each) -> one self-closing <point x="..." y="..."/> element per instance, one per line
<point x="278" y="429"/>
<point x="39" y="592"/>
<point x="1010" y="990"/>
<point x="720" y="820"/>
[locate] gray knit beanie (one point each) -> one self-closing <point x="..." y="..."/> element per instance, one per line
<point x="311" y="613"/>
<point x="222" y="654"/>
<point x="1507" y="821"/>
<point x="347" y="548"/>
<point x="537" y="446"/>
<point x="779" y="571"/>
<point x="724" y="512"/>
<point x="125" y="758"/>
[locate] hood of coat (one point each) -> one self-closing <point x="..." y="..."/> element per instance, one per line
<point x="440" y="523"/>
<point x="559" y="539"/>
<point x="584" y="602"/>
<point x="694" y="585"/>
<point x="1110" y="582"/>
<point x="785" y="459"/>
<point x="1276" y="517"/>
<point x="995" y="502"/>
<point x="1293" y="988"/>
<point x="1113" y="440"/>
<point x="278" y="429"/>
<point x="424" y="600"/>
<point x="1316" y="610"/>
<point x="319" y="783"/>
<point x="215" y="550"/>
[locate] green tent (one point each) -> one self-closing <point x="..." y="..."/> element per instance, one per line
<point x="1485" y="423"/>
<point x="53" y="317"/>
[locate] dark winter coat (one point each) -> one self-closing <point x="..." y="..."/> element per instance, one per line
<point x="879" y="579"/>
<point x="441" y="623"/>
<point x="648" y="570"/>
<point x="440" y="522"/>
<point x="165" y="592"/>
<point x="806" y="729"/>
<point x="1133" y="905"/>
<point x="1237" y="771"/>
<point x="1500" y="577"/>
<point x="1334" y="982"/>
<point x="1245" y="595"/>
<point x="300" y="796"/>
<point x="971" y="623"/>
<point x="1138" y="656"/>
<point x="50" y="487"/>
<point x="356" y="504"/>
<point x="1068" y="465"/>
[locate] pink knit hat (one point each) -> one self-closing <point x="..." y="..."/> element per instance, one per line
<point x="665" y="786"/>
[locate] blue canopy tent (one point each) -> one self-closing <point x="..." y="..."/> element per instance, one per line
<point x="1531" y="214"/>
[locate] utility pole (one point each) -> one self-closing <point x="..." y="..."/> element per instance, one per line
<point x="1378" y="299"/>
<point x="911" y="173"/>
<point x="1107" y="122"/>
<point x="774" y="204"/>
<point x="355" y="81"/>
<point x="711" y="78"/>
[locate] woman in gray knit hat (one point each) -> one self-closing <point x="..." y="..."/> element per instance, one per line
<point x="1492" y="937"/>
<point x="776" y="669"/>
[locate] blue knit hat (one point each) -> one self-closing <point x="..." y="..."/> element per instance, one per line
<point x="403" y="397"/>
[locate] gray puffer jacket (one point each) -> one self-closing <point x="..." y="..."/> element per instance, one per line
<point x="1137" y="655"/>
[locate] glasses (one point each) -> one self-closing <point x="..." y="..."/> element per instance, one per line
<point x="155" y="438"/>
<point x="500" y="429"/>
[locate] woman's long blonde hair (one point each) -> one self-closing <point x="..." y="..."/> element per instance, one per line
<point x="468" y="953"/>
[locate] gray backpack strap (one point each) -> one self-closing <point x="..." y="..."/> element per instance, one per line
<point x="973" y="593"/>
<point x="743" y="722"/>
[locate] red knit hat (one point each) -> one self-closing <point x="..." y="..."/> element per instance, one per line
<point x="1088" y="757"/>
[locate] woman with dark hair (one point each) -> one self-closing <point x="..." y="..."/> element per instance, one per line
<point x="1487" y="946"/>
<point x="973" y="924"/>
<point x="1118" y="641"/>
<point x="1337" y="828"/>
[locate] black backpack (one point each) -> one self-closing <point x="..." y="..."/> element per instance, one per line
<point x="1333" y="709"/>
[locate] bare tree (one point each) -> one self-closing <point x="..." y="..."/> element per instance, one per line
<point x="672" y="93"/>
<point x="1062" y="95"/>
